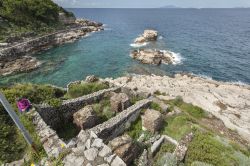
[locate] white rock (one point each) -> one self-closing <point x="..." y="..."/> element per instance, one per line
<point x="98" y="143"/>
<point x="91" y="154"/>
<point x="109" y="158"/>
<point x="118" y="162"/>
<point x="105" y="151"/>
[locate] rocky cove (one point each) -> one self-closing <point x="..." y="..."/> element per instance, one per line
<point x="12" y="54"/>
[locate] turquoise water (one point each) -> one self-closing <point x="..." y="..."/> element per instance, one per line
<point x="210" y="42"/>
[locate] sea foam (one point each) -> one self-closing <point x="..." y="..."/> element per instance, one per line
<point x="137" y="45"/>
<point x="177" y="57"/>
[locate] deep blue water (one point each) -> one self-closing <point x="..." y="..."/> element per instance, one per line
<point x="211" y="42"/>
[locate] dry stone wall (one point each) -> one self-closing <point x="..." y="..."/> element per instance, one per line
<point x="54" y="117"/>
<point x="117" y="125"/>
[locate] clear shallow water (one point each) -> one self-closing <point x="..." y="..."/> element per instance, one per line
<point x="212" y="42"/>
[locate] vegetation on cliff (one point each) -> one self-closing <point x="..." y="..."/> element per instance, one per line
<point x="21" y="16"/>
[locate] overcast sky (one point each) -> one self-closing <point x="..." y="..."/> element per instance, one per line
<point x="152" y="3"/>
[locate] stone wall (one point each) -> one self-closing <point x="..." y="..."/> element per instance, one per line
<point x="55" y="117"/>
<point x="91" y="151"/>
<point x="52" y="144"/>
<point x="118" y="124"/>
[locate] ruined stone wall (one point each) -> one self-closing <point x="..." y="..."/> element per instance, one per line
<point x="55" y="117"/>
<point x="118" y="124"/>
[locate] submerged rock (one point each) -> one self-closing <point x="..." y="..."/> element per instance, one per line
<point x="148" y="35"/>
<point x="149" y="56"/>
<point x="21" y="64"/>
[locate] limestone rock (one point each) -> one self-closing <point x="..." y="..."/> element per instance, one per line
<point x="125" y="148"/>
<point x="148" y="35"/>
<point x="149" y="56"/>
<point x="91" y="154"/>
<point x="91" y="79"/>
<point x="182" y="147"/>
<point x="118" y="162"/>
<point x="85" y="118"/>
<point x="119" y="102"/>
<point x="105" y="151"/>
<point x="152" y="120"/>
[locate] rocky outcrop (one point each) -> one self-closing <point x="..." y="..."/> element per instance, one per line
<point x="125" y="148"/>
<point x="119" y="102"/>
<point x="22" y="64"/>
<point x="85" y="22"/>
<point x="30" y="43"/>
<point x="91" y="79"/>
<point x="148" y="35"/>
<point x="152" y="120"/>
<point x="149" y="56"/>
<point x="85" y="118"/>
<point x="201" y="92"/>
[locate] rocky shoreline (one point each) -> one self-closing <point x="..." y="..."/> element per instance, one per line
<point x="226" y="101"/>
<point x="13" y="54"/>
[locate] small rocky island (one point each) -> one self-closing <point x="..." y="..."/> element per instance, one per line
<point x="149" y="56"/>
<point x="147" y="36"/>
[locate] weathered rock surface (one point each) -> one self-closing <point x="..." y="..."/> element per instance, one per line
<point x="119" y="102"/>
<point x="22" y="64"/>
<point x="152" y="120"/>
<point x="149" y="56"/>
<point x="85" y="118"/>
<point x="148" y="35"/>
<point x="226" y="101"/>
<point x="125" y="148"/>
<point x="91" y="79"/>
<point x="182" y="147"/>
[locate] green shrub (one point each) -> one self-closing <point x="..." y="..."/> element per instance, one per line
<point x="165" y="148"/>
<point x="198" y="163"/>
<point x="205" y="148"/>
<point x="168" y="159"/>
<point x="78" y="90"/>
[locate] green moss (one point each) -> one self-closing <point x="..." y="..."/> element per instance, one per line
<point x="205" y="148"/>
<point x="78" y="90"/>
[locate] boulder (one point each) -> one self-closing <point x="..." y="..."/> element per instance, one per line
<point x="148" y="35"/>
<point x="149" y="56"/>
<point x="152" y="120"/>
<point x="91" y="79"/>
<point x="85" y="118"/>
<point x="119" y="102"/>
<point x="125" y="148"/>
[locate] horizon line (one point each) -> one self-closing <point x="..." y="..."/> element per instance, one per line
<point x="157" y="8"/>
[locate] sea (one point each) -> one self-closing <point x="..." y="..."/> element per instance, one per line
<point x="210" y="43"/>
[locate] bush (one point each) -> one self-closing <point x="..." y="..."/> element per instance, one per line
<point x="156" y="107"/>
<point x="168" y="159"/>
<point x="205" y="148"/>
<point x="135" y="129"/>
<point x="78" y="90"/>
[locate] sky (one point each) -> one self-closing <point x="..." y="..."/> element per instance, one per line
<point x="152" y="3"/>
